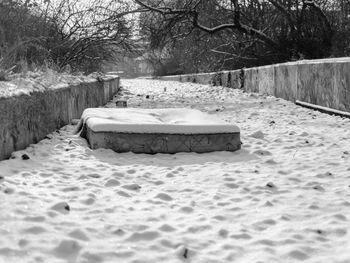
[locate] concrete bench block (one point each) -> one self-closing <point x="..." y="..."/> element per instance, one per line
<point x="235" y="79"/>
<point x="158" y="131"/>
<point x="163" y="143"/>
<point x="205" y="78"/>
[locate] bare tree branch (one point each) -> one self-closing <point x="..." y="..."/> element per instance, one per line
<point x="328" y="30"/>
<point x="194" y="15"/>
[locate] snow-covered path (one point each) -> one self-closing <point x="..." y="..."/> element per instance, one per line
<point x="285" y="197"/>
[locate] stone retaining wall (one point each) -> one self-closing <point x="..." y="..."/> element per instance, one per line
<point x="27" y="119"/>
<point x="325" y="82"/>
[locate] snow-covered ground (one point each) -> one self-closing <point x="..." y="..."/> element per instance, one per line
<point x="285" y="197"/>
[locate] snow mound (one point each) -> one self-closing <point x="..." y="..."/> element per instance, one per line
<point x="258" y="135"/>
<point x="171" y="120"/>
<point x="26" y="84"/>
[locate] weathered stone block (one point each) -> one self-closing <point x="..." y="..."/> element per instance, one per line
<point x="217" y="78"/>
<point x="316" y="84"/>
<point x="266" y="80"/>
<point x="251" y="80"/>
<point x="172" y="78"/>
<point x="286" y="81"/>
<point x="225" y="78"/>
<point x="205" y="78"/>
<point x="163" y="143"/>
<point x="235" y="79"/>
<point x="342" y="85"/>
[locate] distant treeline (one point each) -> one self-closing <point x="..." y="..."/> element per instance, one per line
<point x="188" y="36"/>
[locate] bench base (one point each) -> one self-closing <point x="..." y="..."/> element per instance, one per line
<point x="152" y="143"/>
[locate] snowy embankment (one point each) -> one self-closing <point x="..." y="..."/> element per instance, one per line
<point x="284" y="197"/>
<point x="39" y="82"/>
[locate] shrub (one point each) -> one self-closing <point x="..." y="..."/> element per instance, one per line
<point x="76" y="34"/>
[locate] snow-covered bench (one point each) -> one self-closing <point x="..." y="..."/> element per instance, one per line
<point x="157" y="130"/>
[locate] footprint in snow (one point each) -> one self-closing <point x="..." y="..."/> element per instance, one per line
<point x="257" y="135"/>
<point x="132" y="187"/>
<point x="68" y="249"/>
<point x="184" y="254"/>
<point x="262" y="152"/>
<point x="164" y="197"/>
<point x="61" y="207"/>
<point x="112" y="182"/>
<point x="25" y="157"/>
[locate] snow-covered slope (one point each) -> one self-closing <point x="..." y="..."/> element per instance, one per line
<point x="39" y="82"/>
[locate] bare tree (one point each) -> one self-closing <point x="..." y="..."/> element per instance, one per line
<point x="90" y="31"/>
<point x="266" y="31"/>
<point x="78" y="33"/>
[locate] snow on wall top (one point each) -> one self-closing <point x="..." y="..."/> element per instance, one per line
<point x="39" y="82"/>
<point x="172" y="121"/>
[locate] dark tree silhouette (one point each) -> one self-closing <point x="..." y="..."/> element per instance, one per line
<point x="74" y="34"/>
<point x="266" y="31"/>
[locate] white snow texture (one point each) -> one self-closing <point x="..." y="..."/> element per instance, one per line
<point x="284" y="197"/>
<point x="171" y="120"/>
